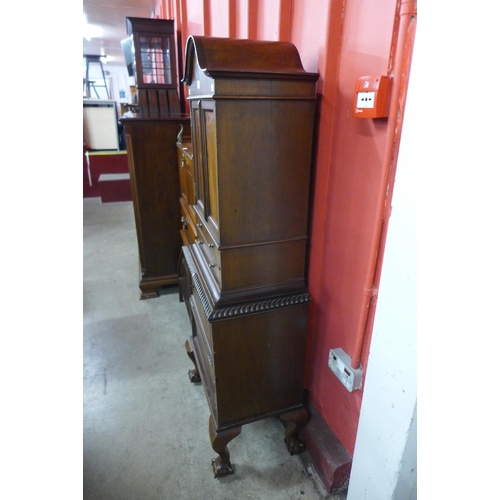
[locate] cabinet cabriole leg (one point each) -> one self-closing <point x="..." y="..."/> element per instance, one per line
<point x="295" y="421"/>
<point x="194" y="374"/>
<point x="219" y="439"/>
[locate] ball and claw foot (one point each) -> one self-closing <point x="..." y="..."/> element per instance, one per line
<point x="294" y="445"/>
<point x="221" y="465"/>
<point x="295" y="421"/>
<point x="221" y="468"/>
<point x="193" y="374"/>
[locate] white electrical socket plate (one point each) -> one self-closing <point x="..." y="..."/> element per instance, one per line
<point x="340" y="364"/>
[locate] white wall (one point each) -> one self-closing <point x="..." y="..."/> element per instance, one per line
<point x="120" y="81"/>
<point x="384" y="463"/>
<point x="117" y="79"/>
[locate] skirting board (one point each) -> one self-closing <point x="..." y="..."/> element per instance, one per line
<point x="330" y="458"/>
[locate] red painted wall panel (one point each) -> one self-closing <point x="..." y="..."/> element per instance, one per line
<point x="219" y="18"/>
<point x="267" y="19"/>
<point x="306" y="19"/>
<point x="194" y="22"/>
<point x="241" y="18"/>
<point x="342" y="41"/>
<point x="344" y="224"/>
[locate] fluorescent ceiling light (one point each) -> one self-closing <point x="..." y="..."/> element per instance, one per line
<point x="90" y="30"/>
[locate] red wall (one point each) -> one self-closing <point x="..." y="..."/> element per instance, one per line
<point x="349" y="171"/>
<point x="341" y="41"/>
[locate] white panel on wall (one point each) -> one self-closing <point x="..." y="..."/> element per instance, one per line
<point x="384" y="462"/>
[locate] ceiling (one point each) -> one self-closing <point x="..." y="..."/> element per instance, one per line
<point x="107" y="19"/>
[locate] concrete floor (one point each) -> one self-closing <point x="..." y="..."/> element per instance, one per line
<point x="145" y="425"/>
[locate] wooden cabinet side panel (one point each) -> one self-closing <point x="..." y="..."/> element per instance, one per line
<point x="155" y="188"/>
<point x="261" y="266"/>
<point x="182" y="174"/>
<point x="259" y="361"/>
<point x="135" y="197"/>
<point x="264" y="159"/>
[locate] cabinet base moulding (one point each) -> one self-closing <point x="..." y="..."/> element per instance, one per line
<point x="150" y="289"/>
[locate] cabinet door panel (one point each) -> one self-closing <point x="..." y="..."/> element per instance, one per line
<point x="197" y="153"/>
<point x="205" y="151"/>
<point x="211" y="163"/>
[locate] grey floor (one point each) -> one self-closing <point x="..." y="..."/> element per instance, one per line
<point x="145" y="425"/>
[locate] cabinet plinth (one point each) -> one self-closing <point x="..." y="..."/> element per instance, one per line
<point x="245" y="214"/>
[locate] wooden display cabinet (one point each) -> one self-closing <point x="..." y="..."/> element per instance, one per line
<point x="154" y="66"/>
<point x="243" y="277"/>
<point x="152" y="153"/>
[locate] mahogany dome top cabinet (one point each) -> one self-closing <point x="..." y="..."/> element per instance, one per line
<point x="243" y="278"/>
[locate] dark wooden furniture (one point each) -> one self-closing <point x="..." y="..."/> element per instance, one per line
<point x="187" y="196"/>
<point x="152" y="154"/>
<point x="154" y="181"/>
<point x="243" y="277"/>
<point x="155" y="66"/>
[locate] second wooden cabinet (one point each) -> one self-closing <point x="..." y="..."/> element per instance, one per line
<point x="154" y="179"/>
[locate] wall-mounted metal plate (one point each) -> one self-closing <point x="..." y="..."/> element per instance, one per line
<point x="340" y="364"/>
